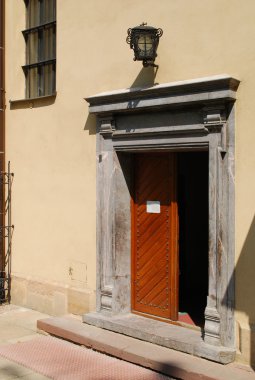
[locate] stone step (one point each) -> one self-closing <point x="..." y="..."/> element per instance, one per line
<point x="164" y="334"/>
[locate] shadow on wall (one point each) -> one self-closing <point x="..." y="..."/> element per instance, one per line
<point x="244" y="278"/>
<point x="145" y="78"/>
<point x="91" y="124"/>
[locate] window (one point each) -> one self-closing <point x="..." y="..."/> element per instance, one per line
<point x="40" y="37"/>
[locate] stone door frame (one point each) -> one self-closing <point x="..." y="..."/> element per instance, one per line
<point x="180" y="116"/>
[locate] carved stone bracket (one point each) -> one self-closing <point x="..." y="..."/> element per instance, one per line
<point x="215" y="122"/>
<point x="214" y="116"/>
<point x="107" y="126"/>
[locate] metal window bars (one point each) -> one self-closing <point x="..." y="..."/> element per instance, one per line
<point x="6" y="232"/>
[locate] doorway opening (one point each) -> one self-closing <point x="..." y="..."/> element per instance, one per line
<point x="155" y="236"/>
<point x="170" y="216"/>
<point x="192" y="193"/>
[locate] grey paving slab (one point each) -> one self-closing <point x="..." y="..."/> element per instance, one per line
<point x="10" y="370"/>
<point x="34" y="376"/>
<point x="18" y="324"/>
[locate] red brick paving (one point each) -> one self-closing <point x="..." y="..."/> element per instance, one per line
<point x="61" y="360"/>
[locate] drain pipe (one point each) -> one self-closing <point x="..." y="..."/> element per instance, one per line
<point x="2" y="136"/>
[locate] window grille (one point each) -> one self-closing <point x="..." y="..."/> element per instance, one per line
<point x="40" y="37"/>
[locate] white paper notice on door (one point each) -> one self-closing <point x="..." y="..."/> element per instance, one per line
<point x="153" y="207"/>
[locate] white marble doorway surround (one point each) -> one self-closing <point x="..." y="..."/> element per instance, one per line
<point x="180" y="116"/>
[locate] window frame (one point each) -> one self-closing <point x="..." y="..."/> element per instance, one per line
<point x="41" y="63"/>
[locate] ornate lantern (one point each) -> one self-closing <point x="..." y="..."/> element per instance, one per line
<point x="144" y="41"/>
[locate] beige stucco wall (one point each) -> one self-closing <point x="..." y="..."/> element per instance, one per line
<point x="52" y="146"/>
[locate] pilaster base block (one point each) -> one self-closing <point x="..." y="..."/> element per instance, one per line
<point x="106" y="302"/>
<point x="212" y="326"/>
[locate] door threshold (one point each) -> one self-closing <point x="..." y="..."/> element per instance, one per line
<point x="171" y="322"/>
<point x="163" y="334"/>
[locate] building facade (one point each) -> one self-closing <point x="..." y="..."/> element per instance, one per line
<point x="136" y="201"/>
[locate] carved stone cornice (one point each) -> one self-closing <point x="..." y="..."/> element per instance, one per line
<point x="202" y="91"/>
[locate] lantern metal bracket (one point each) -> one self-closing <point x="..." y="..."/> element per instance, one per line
<point x="150" y="64"/>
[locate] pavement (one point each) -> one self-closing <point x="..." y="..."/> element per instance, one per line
<point x="20" y="325"/>
<point x="42" y="354"/>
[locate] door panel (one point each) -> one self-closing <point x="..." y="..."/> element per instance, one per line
<point x="154" y="236"/>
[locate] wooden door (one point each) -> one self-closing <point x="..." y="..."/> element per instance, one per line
<point x="155" y="236"/>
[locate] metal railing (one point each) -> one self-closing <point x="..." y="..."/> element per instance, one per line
<point x="6" y="232"/>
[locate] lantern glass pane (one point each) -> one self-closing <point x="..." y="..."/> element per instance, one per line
<point x="145" y="44"/>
